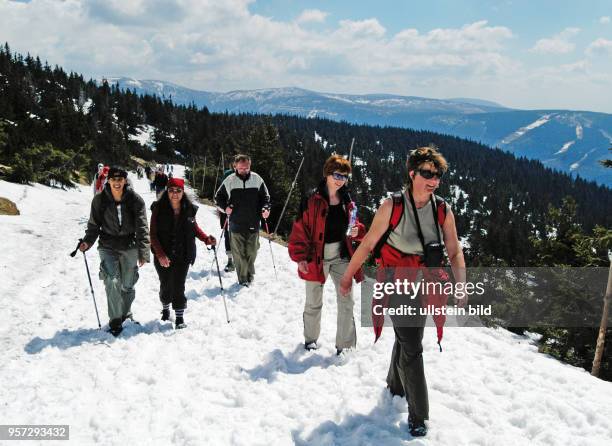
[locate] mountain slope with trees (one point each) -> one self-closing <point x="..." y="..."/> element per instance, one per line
<point x="55" y="123"/>
<point x="56" y="126"/>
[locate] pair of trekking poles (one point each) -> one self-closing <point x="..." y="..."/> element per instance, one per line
<point x="266" y="226"/>
<point x="281" y="218"/>
<point x="216" y="260"/>
<point x="214" y="249"/>
<point x="93" y="295"/>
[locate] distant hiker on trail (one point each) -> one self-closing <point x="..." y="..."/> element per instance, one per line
<point x="173" y="233"/>
<point x="160" y="182"/>
<point x="244" y="197"/>
<point x="226" y="234"/>
<point x="100" y="179"/>
<point x="408" y="226"/>
<point x="321" y="242"/>
<point x="119" y="217"/>
<point x="150" y="174"/>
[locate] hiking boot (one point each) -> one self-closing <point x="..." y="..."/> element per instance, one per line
<point x="114" y="327"/>
<point x="417" y="427"/>
<point x="180" y="323"/>
<point x="311" y="345"/>
<point x="115" y="331"/>
<point x="230" y="266"/>
<point x="165" y="314"/>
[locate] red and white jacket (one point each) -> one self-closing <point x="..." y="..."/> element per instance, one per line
<point x="307" y="237"/>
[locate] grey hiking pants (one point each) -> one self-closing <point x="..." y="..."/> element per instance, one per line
<point x="244" y="250"/>
<point x="334" y="266"/>
<point x="119" y="271"/>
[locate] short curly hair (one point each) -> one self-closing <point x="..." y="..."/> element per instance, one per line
<point x="336" y="163"/>
<point x="428" y="154"/>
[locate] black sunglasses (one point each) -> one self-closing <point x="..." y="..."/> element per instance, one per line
<point x="428" y="174"/>
<point x="340" y="177"/>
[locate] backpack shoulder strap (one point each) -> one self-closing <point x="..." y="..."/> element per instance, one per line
<point x="441" y="209"/>
<point x="397" y="211"/>
<point x="396" y="216"/>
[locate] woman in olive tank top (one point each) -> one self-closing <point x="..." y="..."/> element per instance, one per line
<point x="406" y="376"/>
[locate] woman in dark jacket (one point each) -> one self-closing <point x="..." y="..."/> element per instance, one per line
<point x="173" y="232"/>
<point x="321" y="242"/>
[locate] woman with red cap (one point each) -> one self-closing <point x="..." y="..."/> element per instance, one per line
<point x="173" y="232"/>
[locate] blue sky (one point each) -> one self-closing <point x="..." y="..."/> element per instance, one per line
<point x="523" y="54"/>
<point x="530" y="18"/>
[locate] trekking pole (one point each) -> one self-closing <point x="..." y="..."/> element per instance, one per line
<point x="217" y="176"/>
<point x="270" y="244"/>
<point x="288" y="196"/>
<point x="214" y="249"/>
<point x="219" y="242"/>
<point x="72" y="254"/>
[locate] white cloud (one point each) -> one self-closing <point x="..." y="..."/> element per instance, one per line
<point x="224" y="43"/>
<point x="221" y="45"/>
<point x="558" y="44"/>
<point x="360" y="29"/>
<point x="470" y="38"/>
<point x="600" y="47"/>
<point x="604" y="20"/>
<point x="312" y="16"/>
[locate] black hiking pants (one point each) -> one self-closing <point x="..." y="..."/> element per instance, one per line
<point x="172" y="283"/>
<point x="406" y="376"/>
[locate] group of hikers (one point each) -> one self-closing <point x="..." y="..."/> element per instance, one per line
<point x="410" y="229"/>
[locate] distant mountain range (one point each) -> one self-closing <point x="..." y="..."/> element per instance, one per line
<point x="570" y="141"/>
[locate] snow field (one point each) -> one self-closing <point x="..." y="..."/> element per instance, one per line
<point x="248" y="382"/>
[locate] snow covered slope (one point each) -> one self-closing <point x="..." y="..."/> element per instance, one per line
<point x="248" y="382"/>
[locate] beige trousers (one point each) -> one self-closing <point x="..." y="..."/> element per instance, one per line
<point x="334" y="266"/>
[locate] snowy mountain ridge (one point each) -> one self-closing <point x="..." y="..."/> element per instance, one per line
<point x="536" y="134"/>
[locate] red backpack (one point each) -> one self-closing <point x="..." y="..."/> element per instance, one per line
<point x="386" y="255"/>
<point x="396" y="215"/>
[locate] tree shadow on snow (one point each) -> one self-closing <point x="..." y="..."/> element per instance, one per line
<point x="65" y="339"/>
<point x="385" y="425"/>
<point x="297" y="362"/>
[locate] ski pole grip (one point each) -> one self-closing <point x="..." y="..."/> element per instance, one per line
<point x="73" y="253"/>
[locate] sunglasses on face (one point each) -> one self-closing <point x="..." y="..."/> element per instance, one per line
<point x="339" y="176"/>
<point x="175" y="190"/>
<point x="428" y="174"/>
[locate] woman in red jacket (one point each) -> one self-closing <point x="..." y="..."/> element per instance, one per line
<point x="173" y="232"/>
<point x="321" y="242"/>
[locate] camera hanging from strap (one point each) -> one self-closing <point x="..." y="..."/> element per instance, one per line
<point x="433" y="252"/>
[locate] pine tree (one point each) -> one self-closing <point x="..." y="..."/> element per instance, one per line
<point x="570" y="295"/>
